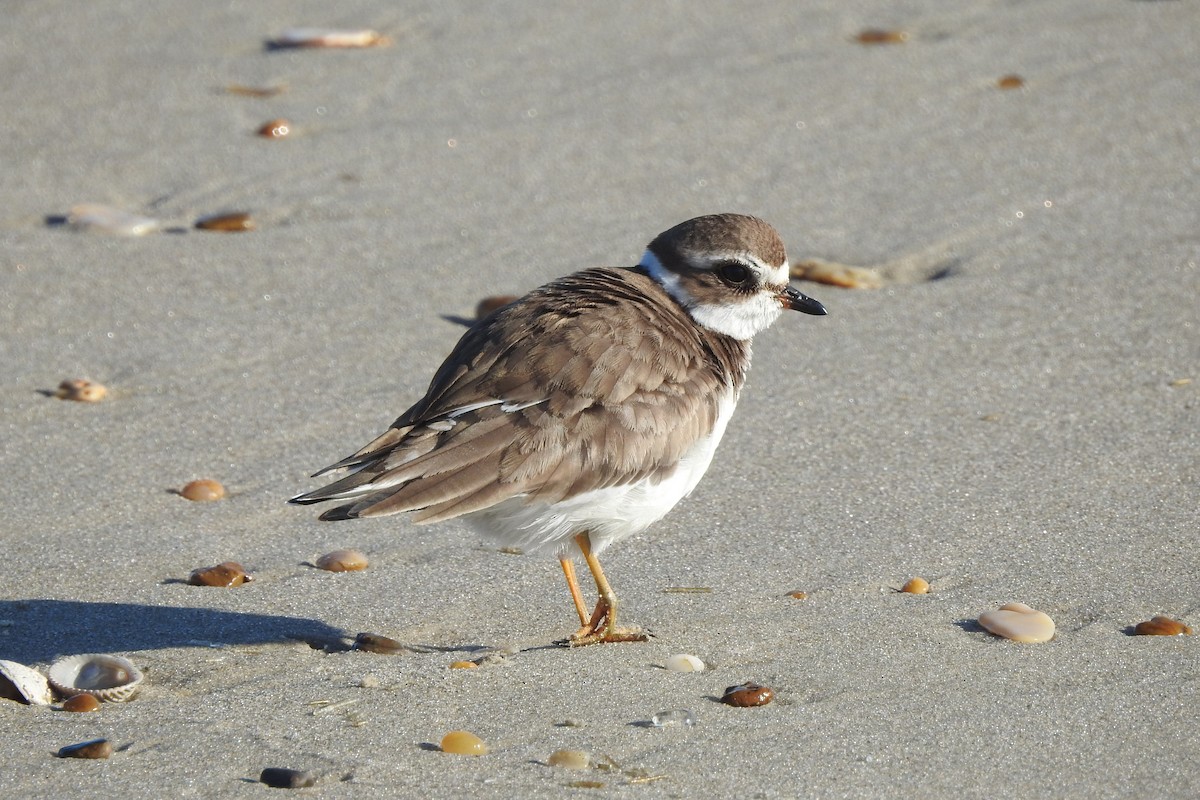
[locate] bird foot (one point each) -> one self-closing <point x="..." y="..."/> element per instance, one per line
<point x="606" y="635"/>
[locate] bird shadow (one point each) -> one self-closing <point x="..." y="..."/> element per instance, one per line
<point x="40" y="630"/>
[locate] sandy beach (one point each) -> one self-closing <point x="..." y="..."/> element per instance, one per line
<point x="1013" y="415"/>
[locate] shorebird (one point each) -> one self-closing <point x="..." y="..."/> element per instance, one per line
<point x="582" y="412"/>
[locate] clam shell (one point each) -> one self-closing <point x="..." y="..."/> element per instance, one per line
<point x="24" y="684"/>
<point x="109" y="678"/>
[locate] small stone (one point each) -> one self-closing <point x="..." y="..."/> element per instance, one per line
<point x="1018" y="622"/>
<point x="275" y="129"/>
<point x="1010" y="82"/>
<point x="570" y="759"/>
<point x="202" y="490"/>
<point x="463" y="743"/>
<point x="225" y="575"/>
<point x="284" y="778"/>
<point x="81" y="390"/>
<point x="234" y="222"/>
<point x="1162" y="626"/>
<point x="489" y="304"/>
<point x="684" y="662"/>
<point x="93" y="748"/>
<point x="676" y="716"/>
<point x="375" y="643"/>
<point x="916" y="586"/>
<point x="342" y="561"/>
<point x="746" y="695"/>
<point x="877" y="36"/>
<point x="81" y="703"/>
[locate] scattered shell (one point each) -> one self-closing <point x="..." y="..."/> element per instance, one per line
<point x="24" y="684"/>
<point x="745" y="695"/>
<point x="688" y="590"/>
<point x="586" y="784"/>
<point x="798" y="595"/>
<point x="1162" y="626"/>
<point x="227" y="574"/>
<point x="1018" y="622"/>
<point x="92" y="748"/>
<point x="877" y="36"/>
<point x="284" y="778"/>
<point x="1180" y="382"/>
<point x="835" y="274"/>
<point x="233" y="222"/>
<point x="81" y="390"/>
<point x="81" y="703"/>
<point x="203" y="490"/>
<point x="489" y="304"/>
<point x="374" y="643"/>
<point x="342" y="561"/>
<point x="111" y="679"/>
<point x="254" y="91"/>
<point x="570" y="759"/>
<point x="676" y="716"/>
<point x="463" y="743"/>
<point x="97" y="218"/>
<point x="916" y="586"/>
<point x="1010" y="82"/>
<point x="275" y="129"/>
<point x="464" y="665"/>
<point x="684" y="662"/>
<point x="327" y="37"/>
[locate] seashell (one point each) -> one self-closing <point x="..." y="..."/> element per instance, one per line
<point x="374" y="643"/>
<point x="1162" y="626"/>
<point x="745" y="695"/>
<point x="254" y="91"/>
<point x="203" y="490"/>
<point x="92" y="748"/>
<point x="464" y="665"/>
<point x="233" y="222"/>
<point x="81" y="390"/>
<point x="916" y="586"/>
<point x="81" y="703"/>
<point x="877" y="36"/>
<point x="798" y="595"/>
<point x="24" y="684"/>
<point x="835" y="274"/>
<point x="275" y="129"/>
<point x="1010" y="82"/>
<point x="489" y="304"/>
<point x="284" y="778"/>
<point x="97" y="218"/>
<point x="570" y="759"/>
<point x="225" y="575"/>
<point x="111" y="679"/>
<point x="328" y="37"/>
<point x="677" y="716"/>
<point x="684" y="662"/>
<point x="1018" y="622"/>
<point x="464" y="743"/>
<point x="342" y="561"/>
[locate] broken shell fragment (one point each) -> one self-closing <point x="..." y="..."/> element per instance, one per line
<point x="570" y="759"/>
<point x="464" y="665"/>
<point x="81" y="703"/>
<point x="284" y="778"/>
<point x="347" y="560"/>
<point x="684" y="662"/>
<point x="916" y="586"/>
<point x="463" y="743"/>
<point x="1162" y="626"/>
<point x="489" y="304"/>
<point x="746" y="695"/>
<point x="275" y="129"/>
<point x="225" y="575"/>
<point x="233" y="222"/>
<point x="835" y="274"/>
<point x="81" y="390"/>
<point x="254" y="91"/>
<point x="93" y="748"/>
<point x="97" y="218"/>
<point x="24" y="684"/>
<point x="676" y="716"/>
<point x="374" y="643"/>
<point x="798" y="595"/>
<point x="111" y="679"/>
<point x="1018" y="622"/>
<point x="203" y="490"/>
<point x="1010" y="82"/>
<point x="328" y="37"/>
<point x="877" y="36"/>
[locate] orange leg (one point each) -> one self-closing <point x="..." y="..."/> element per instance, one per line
<point x="568" y="568"/>
<point x="602" y="627"/>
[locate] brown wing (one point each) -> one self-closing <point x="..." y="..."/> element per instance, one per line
<point x="596" y="379"/>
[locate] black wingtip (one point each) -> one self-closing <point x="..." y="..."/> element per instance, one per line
<point x="337" y="514"/>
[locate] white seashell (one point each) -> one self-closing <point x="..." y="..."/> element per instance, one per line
<point x="24" y="684"/>
<point x="98" y="218"/>
<point x="327" y="37"/>
<point x="684" y="662"/>
<point x="1018" y="622"/>
<point x="109" y="678"/>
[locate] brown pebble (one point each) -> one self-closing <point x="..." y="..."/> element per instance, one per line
<point x="1162" y="626"/>
<point x="745" y="695"/>
<point x="916" y="586"/>
<point x="877" y="36"/>
<point x="275" y="129"/>
<point x="93" y="748"/>
<point x="227" y="574"/>
<point x="81" y="703"/>
<point x="342" y="561"/>
<point x="233" y="222"/>
<point x="489" y="304"/>
<point x="374" y="643"/>
<point x="81" y="390"/>
<point x="1010" y="82"/>
<point x="798" y="595"/>
<point x="202" y="490"/>
<point x="284" y="778"/>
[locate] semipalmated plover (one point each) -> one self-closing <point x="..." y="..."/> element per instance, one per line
<point x="584" y="411"/>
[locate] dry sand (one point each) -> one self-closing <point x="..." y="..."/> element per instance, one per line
<point x="1007" y="418"/>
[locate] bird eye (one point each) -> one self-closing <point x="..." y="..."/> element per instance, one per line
<point x="733" y="273"/>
